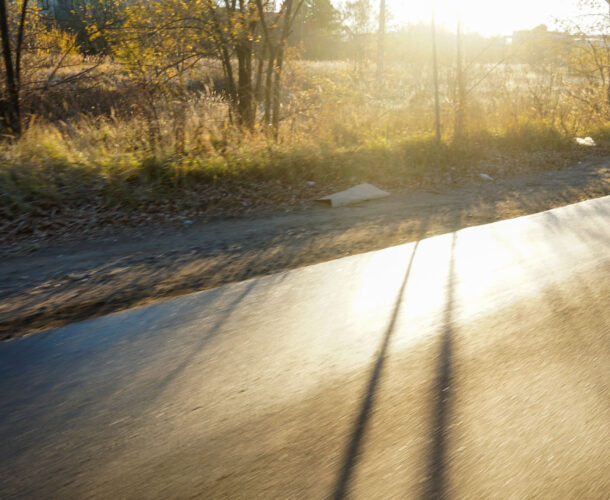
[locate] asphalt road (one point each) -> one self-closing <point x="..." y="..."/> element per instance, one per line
<point x="469" y="365"/>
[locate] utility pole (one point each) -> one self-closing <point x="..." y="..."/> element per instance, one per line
<point x="437" y="104"/>
<point x="461" y="88"/>
<point x="381" y="41"/>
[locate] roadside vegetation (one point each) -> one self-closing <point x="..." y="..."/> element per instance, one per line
<point x="189" y="107"/>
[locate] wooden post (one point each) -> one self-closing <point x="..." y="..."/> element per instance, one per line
<point x="461" y="88"/>
<point x="381" y="41"/>
<point x="437" y="104"/>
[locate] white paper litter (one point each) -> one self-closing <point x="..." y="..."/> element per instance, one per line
<point x="587" y="141"/>
<point x="361" y="192"/>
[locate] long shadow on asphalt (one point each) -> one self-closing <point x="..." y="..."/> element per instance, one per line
<point x="62" y="368"/>
<point x="353" y="450"/>
<point x="436" y="477"/>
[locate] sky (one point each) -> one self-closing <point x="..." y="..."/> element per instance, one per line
<point x="493" y="17"/>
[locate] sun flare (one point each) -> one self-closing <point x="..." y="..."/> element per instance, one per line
<point x="485" y="17"/>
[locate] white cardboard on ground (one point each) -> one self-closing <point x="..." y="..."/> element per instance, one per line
<point x="361" y="192"/>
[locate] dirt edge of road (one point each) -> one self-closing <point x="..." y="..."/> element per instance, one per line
<point x="84" y="279"/>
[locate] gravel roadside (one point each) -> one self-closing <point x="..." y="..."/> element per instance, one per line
<point x="76" y="280"/>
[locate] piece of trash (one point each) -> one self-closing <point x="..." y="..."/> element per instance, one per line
<point x="187" y="222"/>
<point x="486" y="177"/>
<point x="361" y="192"/>
<point x="310" y="183"/>
<point x="587" y="141"/>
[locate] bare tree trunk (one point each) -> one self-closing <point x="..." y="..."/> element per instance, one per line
<point x="228" y="72"/>
<point x="179" y="115"/>
<point x="608" y="94"/>
<point x="258" y="87"/>
<point x="243" y="50"/>
<point x="18" y="49"/>
<point x="268" y="89"/>
<point x="151" y="117"/>
<point x="222" y="43"/>
<point x="245" y="104"/>
<point x="269" y="49"/>
<point x="277" y="88"/>
<point x="277" y="81"/>
<point x="12" y="114"/>
<point x="276" y="59"/>
<point x="381" y="40"/>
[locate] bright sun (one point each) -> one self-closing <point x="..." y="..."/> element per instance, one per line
<point x="485" y="17"/>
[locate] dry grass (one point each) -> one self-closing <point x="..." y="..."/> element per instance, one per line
<point x="91" y="143"/>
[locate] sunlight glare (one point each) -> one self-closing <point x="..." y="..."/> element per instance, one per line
<point x="485" y="17"/>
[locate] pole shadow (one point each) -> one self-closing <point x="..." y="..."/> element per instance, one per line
<point x="353" y="450"/>
<point x="436" y="477"/>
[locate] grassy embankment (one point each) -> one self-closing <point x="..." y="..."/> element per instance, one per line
<point x="89" y="144"/>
